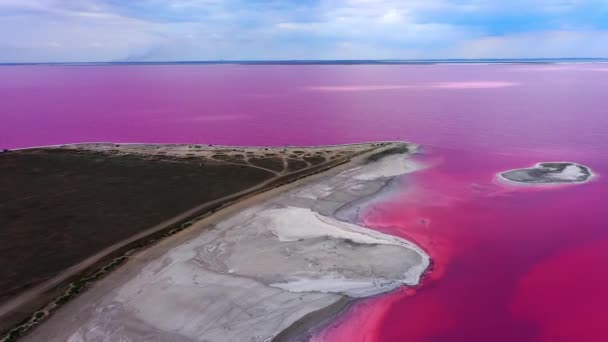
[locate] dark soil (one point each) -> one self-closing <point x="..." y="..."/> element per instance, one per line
<point x="293" y="165"/>
<point x="274" y="163"/>
<point x="315" y="160"/>
<point x="59" y="207"/>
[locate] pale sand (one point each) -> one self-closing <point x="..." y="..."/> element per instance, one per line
<point x="268" y="261"/>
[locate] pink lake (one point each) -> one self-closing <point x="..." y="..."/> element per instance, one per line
<point x="510" y="263"/>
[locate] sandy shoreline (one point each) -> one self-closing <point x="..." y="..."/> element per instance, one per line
<point x="139" y="260"/>
<point x="34" y="298"/>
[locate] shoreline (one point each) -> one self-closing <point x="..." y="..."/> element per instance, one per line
<point x="139" y="243"/>
<point x="143" y="257"/>
<point x="314" y="321"/>
<point x="344" y="62"/>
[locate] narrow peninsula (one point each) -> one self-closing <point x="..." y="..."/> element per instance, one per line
<point x="216" y="243"/>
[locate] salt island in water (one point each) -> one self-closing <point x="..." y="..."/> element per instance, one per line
<point x="549" y="173"/>
<point x="277" y="265"/>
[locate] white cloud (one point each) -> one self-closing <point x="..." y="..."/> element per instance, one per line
<point x="296" y="26"/>
<point x="537" y="45"/>
<point x="392" y="16"/>
<point x="68" y="36"/>
<point x="99" y="30"/>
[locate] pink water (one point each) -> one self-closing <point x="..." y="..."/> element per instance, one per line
<point x="510" y="263"/>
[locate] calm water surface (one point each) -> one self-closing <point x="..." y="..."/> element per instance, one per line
<point x="510" y="263"/>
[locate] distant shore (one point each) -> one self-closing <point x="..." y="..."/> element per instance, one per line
<point x="336" y="62"/>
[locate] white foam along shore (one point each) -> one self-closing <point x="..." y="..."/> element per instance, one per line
<point x="567" y="177"/>
<point x="257" y="272"/>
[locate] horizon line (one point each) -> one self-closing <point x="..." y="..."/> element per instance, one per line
<point x="329" y="61"/>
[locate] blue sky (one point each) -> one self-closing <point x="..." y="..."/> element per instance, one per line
<point x="161" y="30"/>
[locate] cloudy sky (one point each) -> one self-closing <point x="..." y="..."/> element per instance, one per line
<point x="161" y="30"/>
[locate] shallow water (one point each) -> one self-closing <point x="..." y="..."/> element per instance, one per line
<point x="511" y="262"/>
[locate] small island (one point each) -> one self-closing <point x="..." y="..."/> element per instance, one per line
<point x="549" y="173"/>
